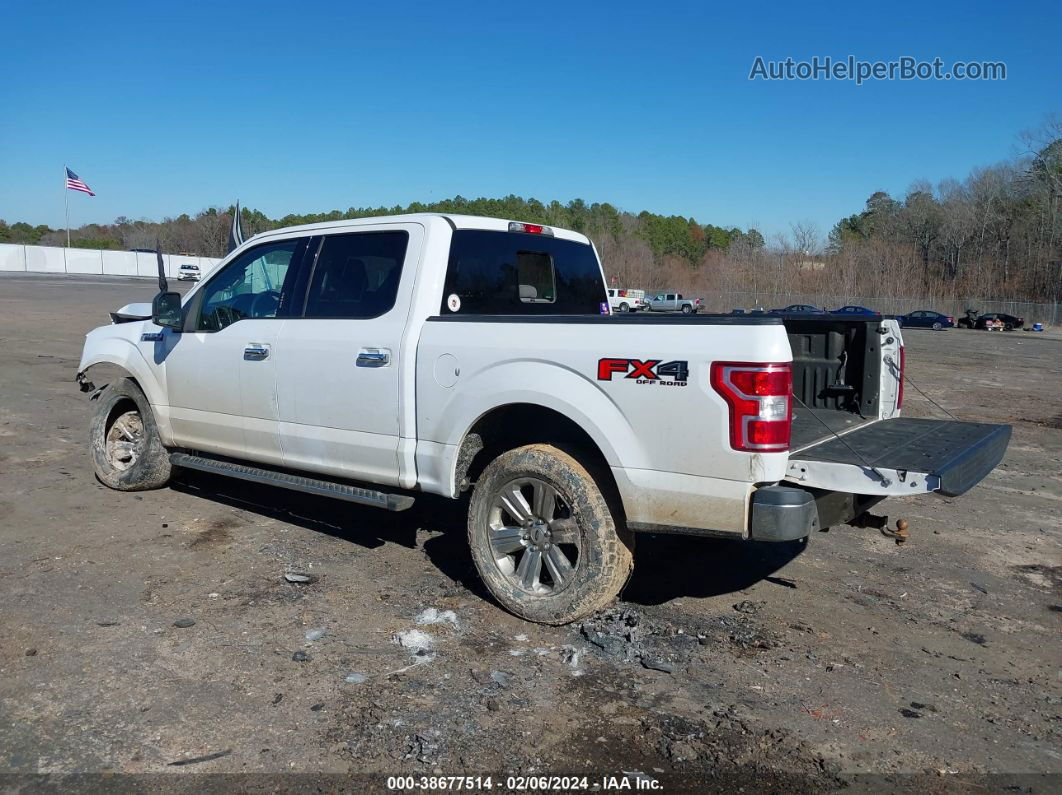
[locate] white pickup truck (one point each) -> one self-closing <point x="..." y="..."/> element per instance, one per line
<point x="380" y="359"/>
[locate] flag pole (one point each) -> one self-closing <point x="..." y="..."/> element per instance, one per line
<point x="66" y="199"/>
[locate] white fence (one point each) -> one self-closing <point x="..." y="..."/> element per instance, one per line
<point x="94" y="262"/>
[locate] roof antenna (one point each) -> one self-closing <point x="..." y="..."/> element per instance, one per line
<point x="163" y="286"/>
<point x="236" y="232"/>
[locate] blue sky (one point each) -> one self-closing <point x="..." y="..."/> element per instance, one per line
<point x="298" y="107"/>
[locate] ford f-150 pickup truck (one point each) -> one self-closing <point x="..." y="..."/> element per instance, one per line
<point x="380" y="359"/>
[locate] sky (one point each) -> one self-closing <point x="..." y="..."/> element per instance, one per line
<point x="164" y="108"/>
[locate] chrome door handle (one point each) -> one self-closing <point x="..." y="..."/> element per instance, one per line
<point x="373" y="357"/>
<point x="255" y="352"/>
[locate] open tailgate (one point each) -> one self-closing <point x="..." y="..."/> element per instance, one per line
<point x="903" y="456"/>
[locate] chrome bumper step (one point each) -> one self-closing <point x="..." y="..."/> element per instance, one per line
<point x="270" y="477"/>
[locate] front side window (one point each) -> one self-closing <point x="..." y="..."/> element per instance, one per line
<point x="516" y="273"/>
<point x="356" y="275"/>
<point x="250" y="286"/>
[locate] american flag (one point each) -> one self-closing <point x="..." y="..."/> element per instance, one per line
<point x="73" y="182"/>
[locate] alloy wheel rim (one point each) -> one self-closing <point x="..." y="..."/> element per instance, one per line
<point x="534" y="538"/>
<point x="125" y="440"/>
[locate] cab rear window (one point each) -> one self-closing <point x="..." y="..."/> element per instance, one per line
<point x="515" y="273"/>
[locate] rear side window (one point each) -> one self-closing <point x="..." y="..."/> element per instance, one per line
<point x="513" y="273"/>
<point x="356" y="275"/>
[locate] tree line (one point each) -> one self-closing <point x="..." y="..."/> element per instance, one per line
<point x="996" y="233"/>
<point x="206" y="233"/>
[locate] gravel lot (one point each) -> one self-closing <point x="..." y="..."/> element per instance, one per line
<point x="848" y="661"/>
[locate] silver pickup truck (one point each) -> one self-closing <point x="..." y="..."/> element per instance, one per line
<point x="674" y="302"/>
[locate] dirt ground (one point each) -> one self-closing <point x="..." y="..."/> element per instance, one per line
<point x="849" y="662"/>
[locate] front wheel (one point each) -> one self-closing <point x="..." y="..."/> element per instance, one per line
<point x="127" y="453"/>
<point x="543" y="538"/>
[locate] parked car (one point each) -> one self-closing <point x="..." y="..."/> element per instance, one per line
<point x="926" y="318"/>
<point x="1009" y="322"/>
<point x="968" y="320"/>
<point x="799" y="309"/>
<point x="188" y="272"/>
<point x="990" y="323"/>
<point x="622" y="300"/>
<point x="674" y="302"/>
<point x="859" y="311"/>
<point x="443" y="354"/>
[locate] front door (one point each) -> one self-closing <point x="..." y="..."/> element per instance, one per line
<point x="220" y="371"/>
<point x="339" y="365"/>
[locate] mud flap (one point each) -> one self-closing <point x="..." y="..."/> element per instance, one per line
<point x="903" y="456"/>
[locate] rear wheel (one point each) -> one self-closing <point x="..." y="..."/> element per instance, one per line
<point x="687" y="309"/>
<point x="127" y="453"/>
<point x="937" y="326"/>
<point x="543" y="538"/>
<point x="624" y="307"/>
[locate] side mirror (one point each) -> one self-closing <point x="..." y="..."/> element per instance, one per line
<point x="166" y="311"/>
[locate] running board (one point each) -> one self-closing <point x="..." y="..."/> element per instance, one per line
<point x="269" y="477"/>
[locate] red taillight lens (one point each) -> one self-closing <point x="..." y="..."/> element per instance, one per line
<point x="903" y="364"/>
<point x="761" y="407"/>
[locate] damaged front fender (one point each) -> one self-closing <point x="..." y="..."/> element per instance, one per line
<point x="117" y="346"/>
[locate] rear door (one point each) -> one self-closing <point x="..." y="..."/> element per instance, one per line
<point x="339" y="359"/>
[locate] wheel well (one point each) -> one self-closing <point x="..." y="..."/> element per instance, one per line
<point x="100" y="374"/>
<point x="519" y="424"/>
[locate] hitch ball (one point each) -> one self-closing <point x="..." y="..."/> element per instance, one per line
<point x="901" y="534"/>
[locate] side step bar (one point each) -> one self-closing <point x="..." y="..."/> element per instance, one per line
<point x="269" y="477"/>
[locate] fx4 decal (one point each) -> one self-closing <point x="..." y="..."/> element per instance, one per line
<point x="648" y="371"/>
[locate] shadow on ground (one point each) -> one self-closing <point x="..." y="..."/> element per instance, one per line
<point x="666" y="567"/>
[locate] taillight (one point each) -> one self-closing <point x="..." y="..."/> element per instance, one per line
<point x="903" y="364"/>
<point x="951" y="320"/>
<point x="761" y="409"/>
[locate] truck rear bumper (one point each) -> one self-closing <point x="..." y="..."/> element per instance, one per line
<point x="786" y="513"/>
<point x="782" y="513"/>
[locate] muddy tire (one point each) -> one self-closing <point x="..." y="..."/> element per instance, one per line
<point x="127" y="453"/>
<point x="543" y="537"/>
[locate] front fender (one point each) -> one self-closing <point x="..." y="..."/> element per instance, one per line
<point x="118" y="345"/>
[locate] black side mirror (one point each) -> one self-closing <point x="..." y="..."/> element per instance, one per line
<point x="166" y="311"/>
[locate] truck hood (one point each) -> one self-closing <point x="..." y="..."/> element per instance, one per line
<point x="131" y="312"/>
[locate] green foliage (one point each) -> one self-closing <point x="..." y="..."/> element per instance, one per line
<point x="21" y="232"/>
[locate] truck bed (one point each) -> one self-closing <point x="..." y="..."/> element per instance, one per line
<point x="812" y="426"/>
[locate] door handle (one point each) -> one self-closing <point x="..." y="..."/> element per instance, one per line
<point x="255" y="352"/>
<point x="373" y="357"/>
